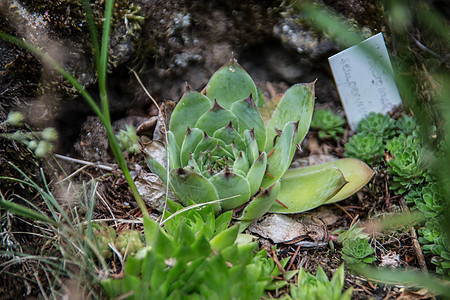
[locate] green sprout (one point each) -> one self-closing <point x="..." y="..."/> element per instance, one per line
<point x="330" y="125"/>
<point x="365" y="146"/>
<point x="129" y="140"/>
<point x="230" y="145"/>
<point x="319" y="287"/>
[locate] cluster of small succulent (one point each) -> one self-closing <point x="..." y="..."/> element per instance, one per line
<point x="41" y="143"/>
<point x="365" y="146"/>
<point x="196" y="255"/>
<point x="356" y="247"/>
<point x="405" y="160"/>
<point x="127" y="242"/>
<point x="358" y="250"/>
<point x="329" y="124"/>
<point x="129" y="140"/>
<point x="428" y="199"/>
<point x="434" y="241"/>
<point x="319" y="287"/>
<point x="369" y="143"/>
<point x="405" y="163"/>
<point x="380" y="124"/>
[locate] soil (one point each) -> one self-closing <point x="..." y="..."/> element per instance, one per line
<point x="179" y="41"/>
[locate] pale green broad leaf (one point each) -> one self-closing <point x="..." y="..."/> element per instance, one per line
<point x="189" y="185"/>
<point x="249" y="118"/>
<point x="356" y="173"/>
<point x="225" y="239"/>
<point x="188" y="110"/>
<point x="229" y="84"/>
<point x="191" y="140"/>
<point x="281" y="155"/>
<point x="252" y="145"/>
<point x="215" y="118"/>
<point x="174" y="151"/>
<point x="297" y="104"/>
<point x="261" y="203"/>
<point x="307" y="191"/>
<point x="229" y="135"/>
<point x="256" y="173"/>
<point x="233" y="188"/>
<point x="157" y="168"/>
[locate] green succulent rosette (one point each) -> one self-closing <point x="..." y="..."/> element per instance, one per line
<point x="229" y="144"/>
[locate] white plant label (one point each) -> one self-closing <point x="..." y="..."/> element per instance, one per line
<point x="364" y="79"/>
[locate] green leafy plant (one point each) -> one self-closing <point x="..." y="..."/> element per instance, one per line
<point x="129" y="241"/>
<point x="365" y="146"/>
<point x="406" y="125"/>
<point x="380" y="124"/>
<point x="435" y="242"/>
<point x="428" y="199"/>
<point x="358" y="250"/>
<point x="406" y="165"/>
<point x="329" y="124"/>
<point x="195" y="256"/>
<point x="231" y="145"/>
<point x="319" y="287"/>
<point x="129" y="140"/>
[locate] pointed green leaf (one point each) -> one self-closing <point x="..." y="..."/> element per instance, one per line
<point x="174" y="151"/>
<point x="229" y="84"/>
<point x="261" y="203"/>
<point x="229" y="135"/>
<point x="252" y="145"/>
<point x="157" y="168"/>
<point x="219" y="151"/>
<point x="297" y="104"/>
<point x="225" y="239"/>
<point x="256" y="173"/>
<point x="193" y="164"/>
<point x="228" y="184"/>
<point x="189" y="185"/>
<point x="207" y="143"/>
<point x="191" y="106"/>
<point x="281" y="155"/>
<point x="356" y="173"/>
<point x="308" y="191"/>
<point x="192" y="138"/>
<point x="241" y="162"/>
<point x="250" y="118"/>
<point x="260" y="100"/>
<point x="215" y="118"/>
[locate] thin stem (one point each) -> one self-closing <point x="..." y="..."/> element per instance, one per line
<point x="104" y="60"/>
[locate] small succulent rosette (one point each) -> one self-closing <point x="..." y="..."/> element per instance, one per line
<point x="229" y="144"/>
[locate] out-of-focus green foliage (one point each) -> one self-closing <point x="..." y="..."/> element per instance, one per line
<point x="329" y="124"/>
<point x="196" y="256"/>
<point x="129" y="140"/>
<point x="365" y="146"/>
<point x="406" y="163"/>
<point x="380" y="124"/>
<point x="320" y="287"/>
